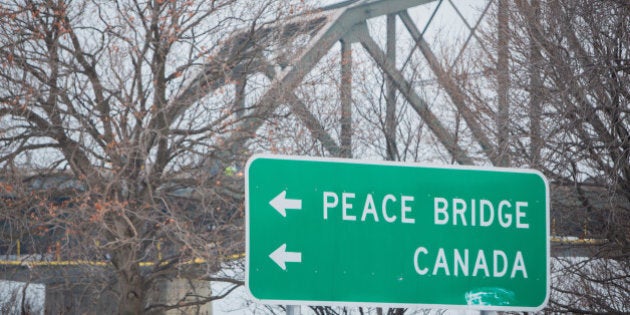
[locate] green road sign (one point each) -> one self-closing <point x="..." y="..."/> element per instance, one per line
<point x="333" y="231"/>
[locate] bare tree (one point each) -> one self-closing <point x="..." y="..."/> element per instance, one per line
<point x="568" y="95"/>
<point x="108" y="152"/>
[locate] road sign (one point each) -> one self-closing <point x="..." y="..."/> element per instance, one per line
<point x="333" y="231"/>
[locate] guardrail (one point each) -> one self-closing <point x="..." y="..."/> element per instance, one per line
<point x="27" y="261"/>
<point x="44" y="263"/>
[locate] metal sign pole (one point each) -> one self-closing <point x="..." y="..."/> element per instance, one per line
<point x="293" y="310"/>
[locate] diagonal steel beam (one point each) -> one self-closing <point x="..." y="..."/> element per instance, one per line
<point x="308" y="119"/>
<point x="426" y="26"/>
<point x="313" y="125"/>
<point x="473" y="32"/>
<point x="282" y="86"/>
<point x="405" y="88"/>
<point x="342" y="20"/>
<point x="451" y="87"/>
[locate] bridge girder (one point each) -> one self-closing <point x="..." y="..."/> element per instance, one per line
<point x="345" y="22"/>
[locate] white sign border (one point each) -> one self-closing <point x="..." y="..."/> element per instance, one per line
<point x="403" y="164"/>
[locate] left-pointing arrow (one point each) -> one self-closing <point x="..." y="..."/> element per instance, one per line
<point x="280" y="256"/>
<point x="282" y="204"/>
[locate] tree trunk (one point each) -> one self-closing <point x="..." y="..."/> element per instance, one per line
<point x="132" y="295"/>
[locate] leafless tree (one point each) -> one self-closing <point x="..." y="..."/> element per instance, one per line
<point x="108" y="154"/>
<point x="568" y="100"/>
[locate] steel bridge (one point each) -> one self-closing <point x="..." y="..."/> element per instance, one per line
<point x="349" y="29"/>
<point x="299" y="43"/>
<point x="342" y="28"/>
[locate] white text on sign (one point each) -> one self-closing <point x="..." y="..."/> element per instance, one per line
<point x="350" y="206"/>
<point x="391" y="208"/>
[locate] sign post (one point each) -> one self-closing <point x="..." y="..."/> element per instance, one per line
<point x="342" y="232"/>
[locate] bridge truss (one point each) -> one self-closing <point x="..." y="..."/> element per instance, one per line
<point x="344" y="28"/>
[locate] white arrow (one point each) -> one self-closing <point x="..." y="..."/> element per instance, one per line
<point x="282" y="204"/>
<point x="280" y="256"/>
